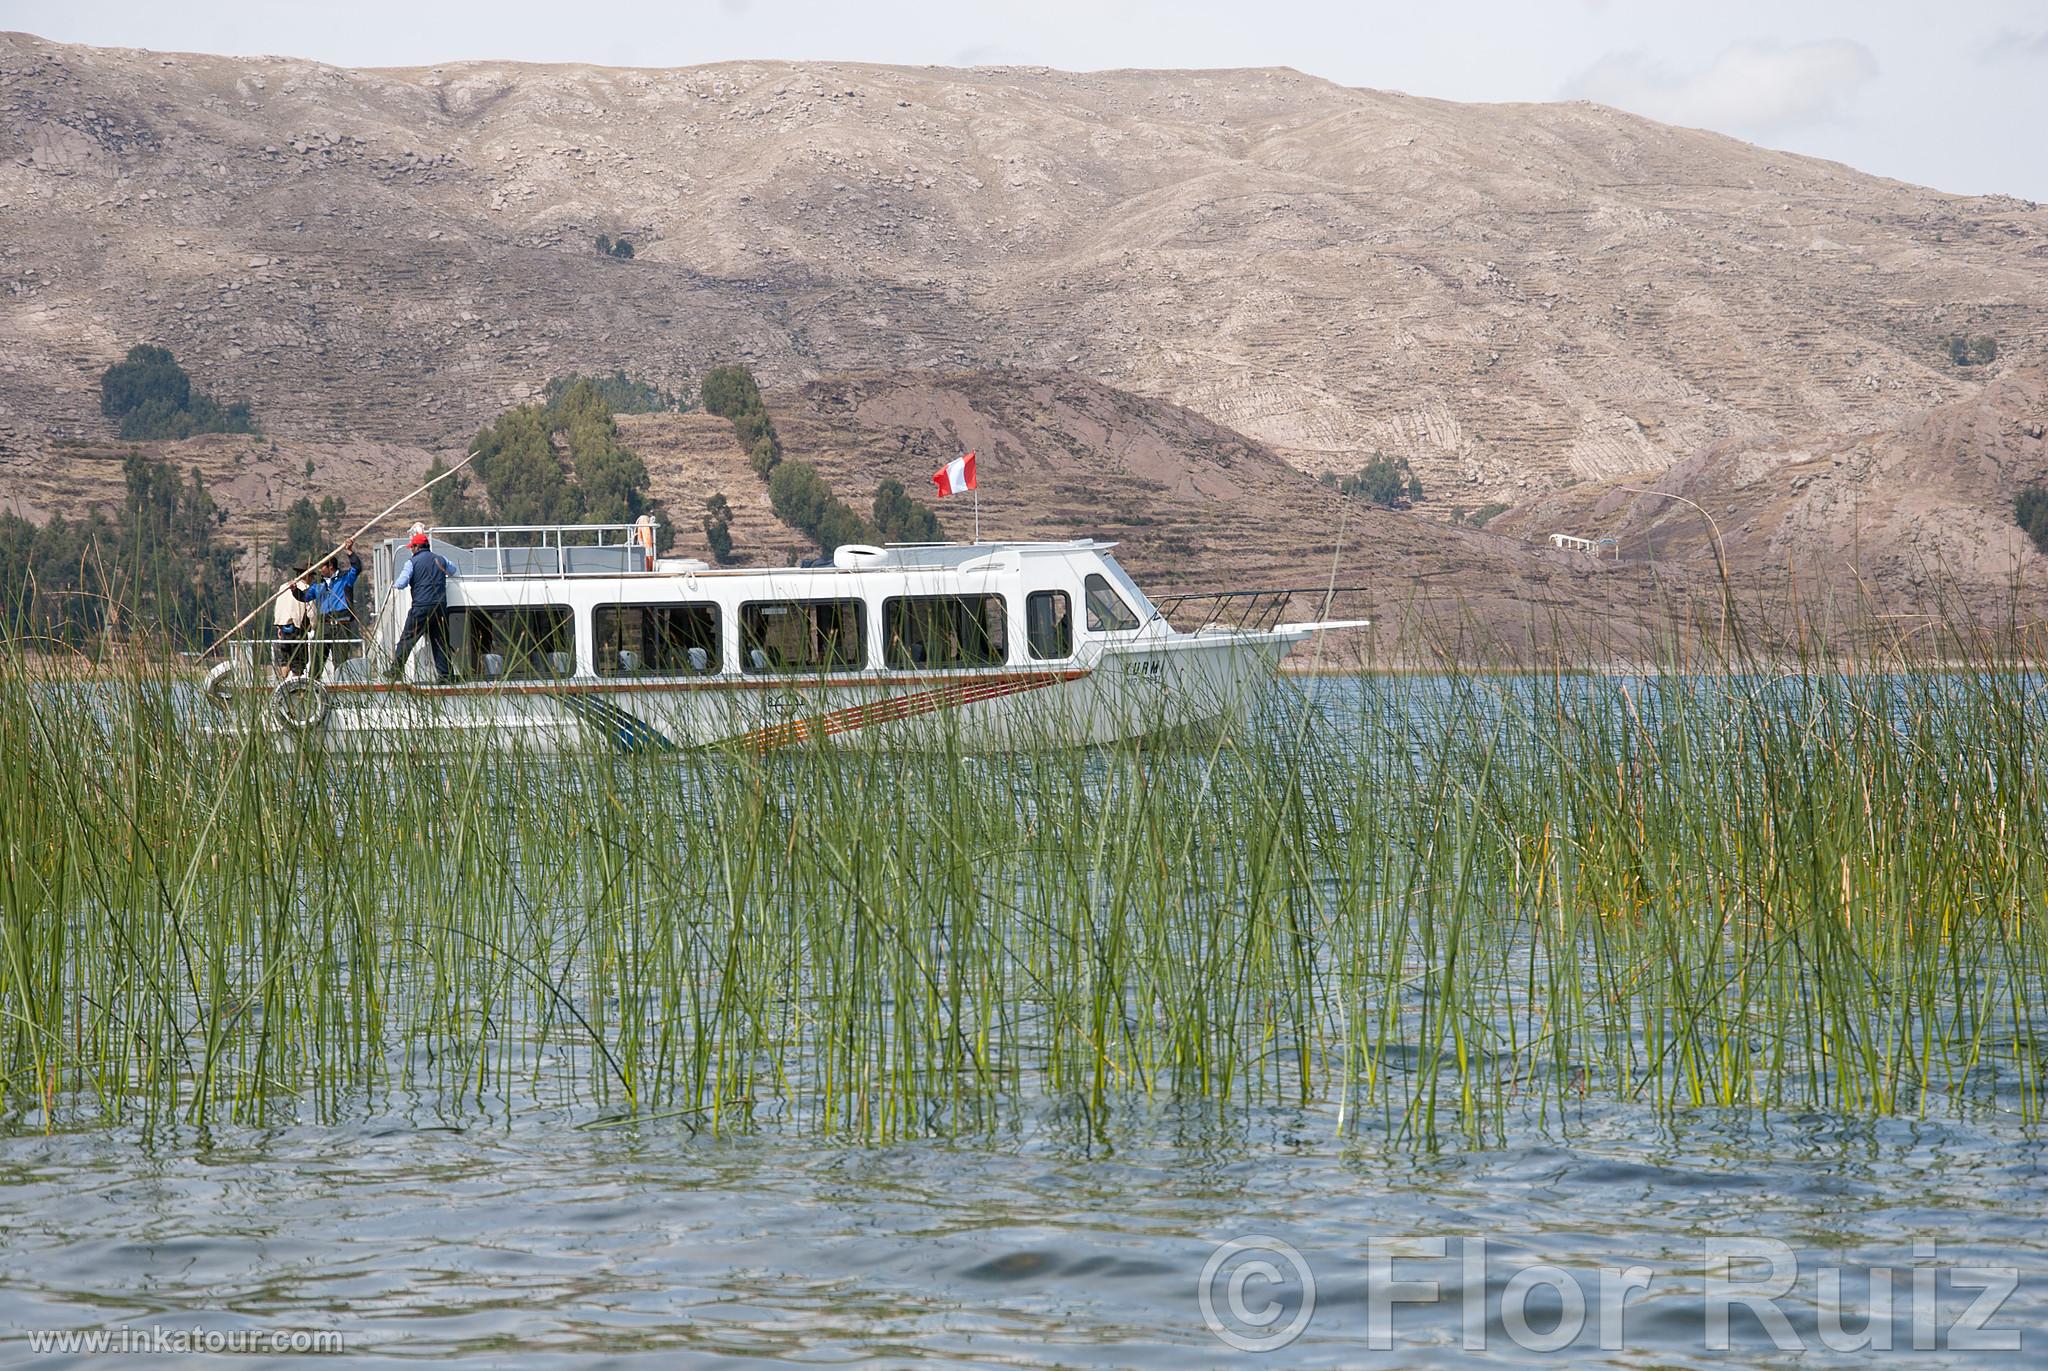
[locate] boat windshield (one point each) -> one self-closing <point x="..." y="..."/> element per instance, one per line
<point x="1133" y="596"/>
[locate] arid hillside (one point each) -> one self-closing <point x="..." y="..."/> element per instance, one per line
<point x="1914" y="518"/>
<point x="1193" y="507"/>
<point x="1511" y="295"/>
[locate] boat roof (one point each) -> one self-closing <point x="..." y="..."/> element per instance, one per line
<point x="525" y="551"/>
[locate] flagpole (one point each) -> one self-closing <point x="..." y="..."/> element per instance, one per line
<point x="977" y="513"/>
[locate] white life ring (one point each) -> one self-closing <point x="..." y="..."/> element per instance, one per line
<point x="221" y="683"/>
<point x="300" y="703"/>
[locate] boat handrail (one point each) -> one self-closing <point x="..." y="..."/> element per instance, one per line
<point x="1252" y="609"/>
<point x="495" y="532"/>
<point x="486" y="556"/>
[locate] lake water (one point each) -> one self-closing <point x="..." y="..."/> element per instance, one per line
<point x="528" y="1232"/>
<point x="532" y="1241"/>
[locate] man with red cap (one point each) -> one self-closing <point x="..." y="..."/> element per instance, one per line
<point x="426" y="575"/>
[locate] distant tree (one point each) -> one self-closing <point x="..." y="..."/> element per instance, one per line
<point x="718" y="528"/>
<point x="559" y="463"/>
<point x="900" y="519"/>
<point x="523" y="477"/>
<point x="310" y="531"/>
<point x="1385" y="481"/>
<point x="622" y="250"/>
<point x="729" y="391"/>
<point x="1972" y="352"/>
<point x="452" y="503"/>
<point x="799" y="496"/>
<point x="803" y="501"/>
<point x="840" y="525"/>
<point x="158" y="568"/>
<point x="153" y="398"/>
<point x="611" y="481"/>
<point x="1480" y="517"/>
<point x="167" y="567"/>
<point x="625" y="394"/>
<point x="2030" y="511"/>
<point x="763" y="456"/>
<point x="750" y="426"/>
<point x="149" y="375"/>
<point x="604" y="245"/>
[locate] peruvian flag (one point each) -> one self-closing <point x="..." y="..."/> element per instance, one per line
<point x="955" y="476"/>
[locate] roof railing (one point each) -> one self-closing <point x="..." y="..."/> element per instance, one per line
<point x="517" y="550"/>
<point x="495" y="532"/>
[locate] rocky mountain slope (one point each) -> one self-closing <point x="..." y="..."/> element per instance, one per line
<point x="1912" y="519"/>
<point x="1193" y="507"/>
<point x="1511" y="295"/>
<point x="1159" y="295"/>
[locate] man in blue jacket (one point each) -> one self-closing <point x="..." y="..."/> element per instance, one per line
<point x="334" y="595"/>
<point x="426" y="575"/>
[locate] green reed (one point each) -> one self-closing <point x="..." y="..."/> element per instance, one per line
<point x="1426" y="905"/>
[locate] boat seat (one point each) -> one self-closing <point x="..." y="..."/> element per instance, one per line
<point x="700" y="660"/>
<point x="494" y="665"/>
<point x="561" y="663"/>
<point x="629" y="660"/>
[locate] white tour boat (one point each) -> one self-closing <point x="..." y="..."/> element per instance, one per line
<point x="576" y="635"/>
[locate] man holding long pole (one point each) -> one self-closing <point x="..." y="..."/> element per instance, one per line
<point x="426" y="575"/>
<point x="389" y="509"/>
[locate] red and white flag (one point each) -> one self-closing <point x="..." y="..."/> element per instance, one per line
<point x="955" y="476"/>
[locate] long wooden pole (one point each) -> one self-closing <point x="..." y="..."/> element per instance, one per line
<point x="388" y="511"/>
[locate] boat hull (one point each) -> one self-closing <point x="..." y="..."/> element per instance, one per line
<point x="1158" y="687"/>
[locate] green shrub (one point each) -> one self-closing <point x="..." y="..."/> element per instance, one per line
<point x="1479" y="517"/>
<point x="799" y="495"/>
<point x="718" y="528"/>
<point x="622" y="393"/>
<point x="153" y="398"/>
<point x="149" y="376"/>
<point x="2030" y="511"/>
<point x="559" y="463"/>
<point x="160" y="560"/>
<point x="729" y="391"/>
<point x="310" y="532"/>
<point x="1972" y="352"/>
<point x="1385" y="481"/>
<point x="900" y="519"/>
<point x="804" y="502"/>
<point x="750" y="426"/>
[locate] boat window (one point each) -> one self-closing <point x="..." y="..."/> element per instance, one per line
<point x="512" y="643"/>
<point x="801" y="635"/>
<point x="655" y="640"/>
<point x="1049" y="624"/>
<point x="1107" y="613"/>
<point x="936" y="631"/>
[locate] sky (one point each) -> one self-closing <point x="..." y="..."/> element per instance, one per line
<point x="1949" y="96"/>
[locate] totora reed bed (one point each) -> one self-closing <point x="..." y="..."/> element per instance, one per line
<point x="1431" y="907"/>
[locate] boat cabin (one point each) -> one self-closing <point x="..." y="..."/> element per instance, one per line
<point x="552" y="602"/>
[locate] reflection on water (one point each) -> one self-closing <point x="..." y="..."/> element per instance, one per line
<point x="527" y="1239"/>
